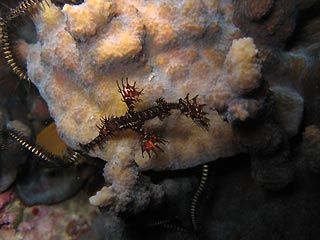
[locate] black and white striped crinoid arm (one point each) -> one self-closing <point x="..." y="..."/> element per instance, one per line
<point x="13" y="136"/>
<point x="8" y="51"/>
<point x="8" y="28"/>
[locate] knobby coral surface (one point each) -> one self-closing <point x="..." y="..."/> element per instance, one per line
<point x="169" y="48"/>
<point x="82" y="50"/>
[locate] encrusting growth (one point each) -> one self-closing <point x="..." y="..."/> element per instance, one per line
<point x="134" y="120"/>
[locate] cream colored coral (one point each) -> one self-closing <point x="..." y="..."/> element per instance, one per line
<point x="80" y="22"/>
<point x="242" y="67"/>
<point x="171" y="22"/>
<point x="84" y="20"/>
<point x="169" y="48"/>
<point x="122" y="39"/>
<point x="241" y="75"/>
<point x="127" y="187"/>
<point x="239" y="111"/>
<point x="125" y="42"/>
<point x="102" y="197"/>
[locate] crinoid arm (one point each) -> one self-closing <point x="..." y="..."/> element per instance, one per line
<point x="167" y="225"/>
<point x="130" y="94"/>
<point x="43" y="155"/>
<point x="26" y="7"/>
<point x="192" y="109"/>
<point x="8" y="52"/>
<point x="195" y="199"/>
<point x="7" y="26"/>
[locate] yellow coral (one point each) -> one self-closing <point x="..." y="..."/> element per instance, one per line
<point x="50" y="140"/>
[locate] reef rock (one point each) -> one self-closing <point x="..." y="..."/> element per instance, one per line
<point x="311" y="148"/>
<point x="11" y="156"/>
<point x="170" y="48"/>
<point x="76" y="62"/>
